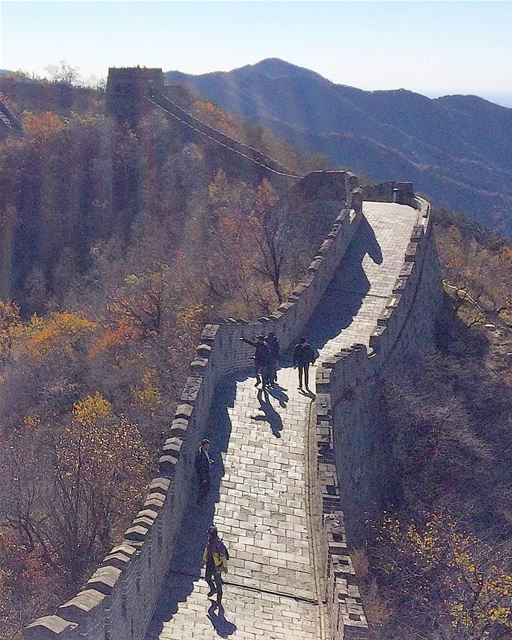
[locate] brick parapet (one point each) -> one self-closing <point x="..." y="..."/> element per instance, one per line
<point x="347" y="393"/>
<point x="179" y="114"/>
<point x="118" y="601"/>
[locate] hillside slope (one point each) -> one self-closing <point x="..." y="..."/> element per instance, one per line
<point x="456" y="148"/>
<point x="118" y="246"/>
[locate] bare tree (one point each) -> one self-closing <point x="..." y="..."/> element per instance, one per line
<point x="63" y="72"/>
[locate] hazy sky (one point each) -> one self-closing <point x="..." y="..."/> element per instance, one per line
<point x="431" y="47"/>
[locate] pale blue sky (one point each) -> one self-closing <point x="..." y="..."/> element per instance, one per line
<point x="431" y="47"/>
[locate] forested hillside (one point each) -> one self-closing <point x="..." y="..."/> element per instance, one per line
<point x="117" y="246"/>
<point x="455" y="148"/>
<point x="439" y="565"/>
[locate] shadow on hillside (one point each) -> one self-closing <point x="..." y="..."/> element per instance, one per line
<point x="186" y="565"/>
<point x="346" y="291"/>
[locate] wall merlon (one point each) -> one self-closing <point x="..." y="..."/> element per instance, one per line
<point x="86" y="609"/>
<point x="104" y="579"/>
<point x="137" y="533"/>
<point x="209" y="333"/>
<point x="198" y="366"/>
<point x="179" y="428"/>
<point x="117" y="559"/>
<point x="410" y="252"/>
<point x="191" y="390"/>
<point x="183" y="411"/>
<point x="51" y="628"/>
<point x="154" y="501"/>
<point x="152" y="535"/>
<point x="399" y="285"/>
<point x="143" y="521"/>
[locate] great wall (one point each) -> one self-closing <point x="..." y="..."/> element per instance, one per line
<point x="296" y="475"/>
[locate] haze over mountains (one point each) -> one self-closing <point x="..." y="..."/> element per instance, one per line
<point x="455" y="148"/>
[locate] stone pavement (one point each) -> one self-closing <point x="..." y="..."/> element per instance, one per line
<point x="259" y="499"/>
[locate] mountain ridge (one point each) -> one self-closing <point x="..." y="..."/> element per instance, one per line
<point x="455" y="148"/>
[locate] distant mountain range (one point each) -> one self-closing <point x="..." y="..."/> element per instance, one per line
<point x="457" y="149"/>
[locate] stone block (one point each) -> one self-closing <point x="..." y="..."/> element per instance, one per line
<point x="85" y="608"/>
<point x="50" y="628"/>
<point x="179" y="428"/>
<point x="104" y="579"/>
<point x="209" y="333"/>
<point x="159" y="485"/>
<point x="137" y="533"/>
<point x="184" y="411"/>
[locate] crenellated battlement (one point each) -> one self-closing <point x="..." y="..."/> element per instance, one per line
<point x="118" y="601"/>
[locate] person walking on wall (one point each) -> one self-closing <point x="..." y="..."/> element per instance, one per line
<point x="261" y="360"/>
<point x="274" y="348"/>
<point x="303" y="356"/>
<point x="215" y="559"/>
<point x="203" y="463"/>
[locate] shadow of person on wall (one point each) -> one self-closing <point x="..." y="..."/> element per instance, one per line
<point x="221" y="624"/>
<point x="269" y="414"/>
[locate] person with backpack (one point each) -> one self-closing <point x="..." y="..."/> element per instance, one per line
<point x="261" y="360"/>
<point x="303" y="356"/>
<point x="274" y="348"/>
<point x="215" y="559"/>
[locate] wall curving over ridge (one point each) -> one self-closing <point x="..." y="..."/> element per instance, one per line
<point x="353" y="459"/>
<point x="117" y="602"/>
<point x="347" y="449"/>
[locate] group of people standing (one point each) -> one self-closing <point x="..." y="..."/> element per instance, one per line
<point x="266" y="362"/>
<point x="266" y="359"/>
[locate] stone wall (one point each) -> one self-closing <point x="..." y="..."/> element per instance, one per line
<point x="118" y="601"/>
<point x="260" y="164"/>
<point x="353" y="460"/>
<point x="127" y="88"/>
<point x="347" y="453"/>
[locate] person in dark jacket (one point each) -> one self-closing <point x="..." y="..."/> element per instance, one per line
<point x="215" y="557"/>
<point x="203" y="463"/>
<point x="274" y="348"/>
<point x="303" y="356"/>
<point x="261" y="360"/>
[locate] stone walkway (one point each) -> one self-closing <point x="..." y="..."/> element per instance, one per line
<point x="259" y="497"/>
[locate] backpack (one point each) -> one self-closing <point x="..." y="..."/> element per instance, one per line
<point x="219" y="554"/>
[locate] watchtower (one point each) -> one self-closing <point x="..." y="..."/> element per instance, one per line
<point x="127" y="88"/>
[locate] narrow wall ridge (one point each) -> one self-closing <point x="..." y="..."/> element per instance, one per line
<point x="351" y="464"/>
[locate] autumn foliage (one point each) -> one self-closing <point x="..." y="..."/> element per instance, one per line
<point x="439" y="564"/>
<point x="117" y="246"/>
